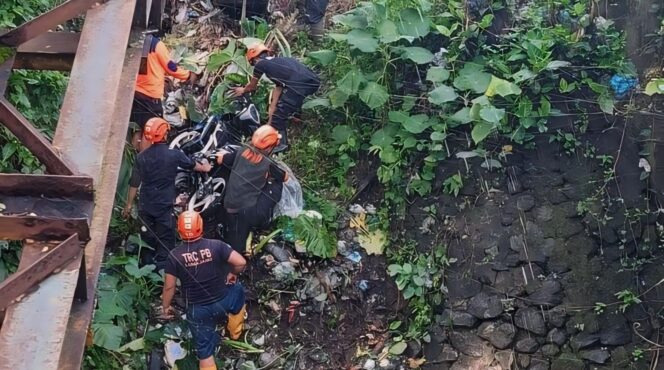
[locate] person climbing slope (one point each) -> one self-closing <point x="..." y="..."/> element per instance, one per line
<point x="150" y="86"/>
<point x="294" y="81"/>
<point x="207" y="270"/>
<point x="154" y="171"/>
<point x="254" y="186"/>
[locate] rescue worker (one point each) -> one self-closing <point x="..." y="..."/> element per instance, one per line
<point x="154" y="171"/>
<point x="211" y="293"/>
<point x="254" y="187"/>
<point x="294" y="81"/>
<point x="150" y="86"/>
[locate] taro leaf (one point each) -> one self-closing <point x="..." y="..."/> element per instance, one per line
<point x="471" y="77"/>
<point x="523" y="75"/>
<point x="388" y="32"/>
<point x="605" y="103"/>
<point x="437" y="74"/>
<point x="388" y="155"/>
<point x="133" y="270"/>
<point x="481" y="131"/>
<point x="373" y="242"/>
<point x="490" y="164"/>
<point x="134" y="345"/>
<point x="492" y="114"/>
<point x="398" y="116"/>
<point x="362" y="40"/>
<point x="323" y="57"/>
<point x="438" y="136"/>
<point x="317" y="102"/>
<point x="381" y="139"/>
<point x="413" y="24"/>
<point x="467" y="154"/>
<point x="374" y="95"/>
<point x="417" y="54"/>
<point x="442" y="94"/>
<point x="108" y="336"/>
<point x="555" y="64"/>
<point x="338" y="98"/>
<point x="417" y="123"/>
<point x="462" y="116"/>
<point x="501" y="87"/>
<point x="655" y="86"/>
<point x="341" y="134"/>
<point x="398" y="348"/>
<point x="408" y="102"/>
<point x="351" y="20"/>
<point x="338" y="36"/>
<point x="350" y="83"/>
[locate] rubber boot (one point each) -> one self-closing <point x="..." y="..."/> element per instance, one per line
<point x="235" y="324"/>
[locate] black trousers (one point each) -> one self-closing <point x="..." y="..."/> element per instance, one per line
<point x="238" y="225"/>
<point x="144" y="108"/>
<point x="160" y="235"/>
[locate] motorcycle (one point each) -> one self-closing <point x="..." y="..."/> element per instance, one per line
<point x="216" y="131"/>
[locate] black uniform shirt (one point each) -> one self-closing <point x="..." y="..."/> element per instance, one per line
<point x="154" y="170"/>
<point x="289" y="73"/>
<point x="201" y="267"/>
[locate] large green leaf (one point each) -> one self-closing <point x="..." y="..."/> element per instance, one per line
<point x="442" y="94"/>
<point x="655" y="86"/>
<point x="417" y="123"/>
<point x="350" y="83"/>
<point x="323" y="57"/>
<point x="606" y="103"/>
<point x="555" y="64"/>
<point x="315" y="103"/>
<point x="462" y="116"/>
<point x="382" y="139"/>
<point x="413" y="24"/>
<point x="374" y="95"/>
<point x="501" y="87"/>
<point x="108" y="336"/>
<point x="351" y="20"/>
<point x="417" y="54"/>
<point x="338" y="98"/>
<point x="388" y="32"/>
<point x="133" y="270"/>
<point x="362" y="40"/>
<point x="481" y="131"/>
<point x="437" y="74"/>
<point x="341" y="134"/>
<point x="523" y="75"/>
<point x="492" y="114"/>
<point x="471" y="77"/>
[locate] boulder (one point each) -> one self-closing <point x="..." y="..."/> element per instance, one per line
<point x="500" y="335"/>
<point x="531" y="320"/>
<point x="526" y="345"/>
<point x="485" y="306"/>
<point x="458" y="318"/>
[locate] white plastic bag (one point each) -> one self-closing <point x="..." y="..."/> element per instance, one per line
<point x="291" y="203"/>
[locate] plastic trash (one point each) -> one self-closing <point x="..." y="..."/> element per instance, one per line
<point x="354" y="256"/>
<point x="291" y="202"/>
<point x="174" y="352"/>
<point x="621" y="85"/>
<point x="363" y="285"/>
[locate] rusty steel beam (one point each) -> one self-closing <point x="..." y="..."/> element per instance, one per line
<point x="51" y="259"/>
<point x="45" y="22"/>
<point x="19" y="227"/>
<point x="5" y="72"/>
<point x="81" y="313"/>
<point x="33" y="139"/>
<point x="49" y="51"/>
<point x="89" y="134"/>
<point x="48" y="186"/>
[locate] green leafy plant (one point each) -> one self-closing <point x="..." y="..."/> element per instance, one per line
<point x="628" y="299"/>
<point x="317" y="239"/>
<point x="453" y="184"/>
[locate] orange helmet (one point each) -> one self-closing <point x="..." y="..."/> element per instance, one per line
<point x="156" y="129"/>
<point x="255" y="50"/>
<point x="190" y="226"/>
<point x="265" y="137"/>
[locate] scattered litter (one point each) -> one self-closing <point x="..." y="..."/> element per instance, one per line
<point x="369" y="365"/>
<point x="371" y="209"/>
<point x="274" y="306"/>
<point x="280" y="254"/>
<point x="363" y="285"/>
<point x="2" y="207"/>
<point x="427" y="223"/>
<point x="643" y="163"/>
<point x="259" y="341"/>
<point x="354" y="256"/>
<point x="373" y="242"/>
<point x="342" y="249"/>
<point x="356" y="209"/>
<point x="174" y="352"/>
<point x="300" y="247"/>
<point x="285" y="271"/>
<point x="292" y="308"/>
<point x="621" y="85"/>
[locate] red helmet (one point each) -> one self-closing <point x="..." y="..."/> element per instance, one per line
<point x="255" y="50"/>
<point x="156" y="129"/>
<point x="265" y="137"/>
<point x="190" y="226"/>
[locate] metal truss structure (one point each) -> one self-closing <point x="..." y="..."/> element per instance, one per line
<point x="62" y="217"/>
